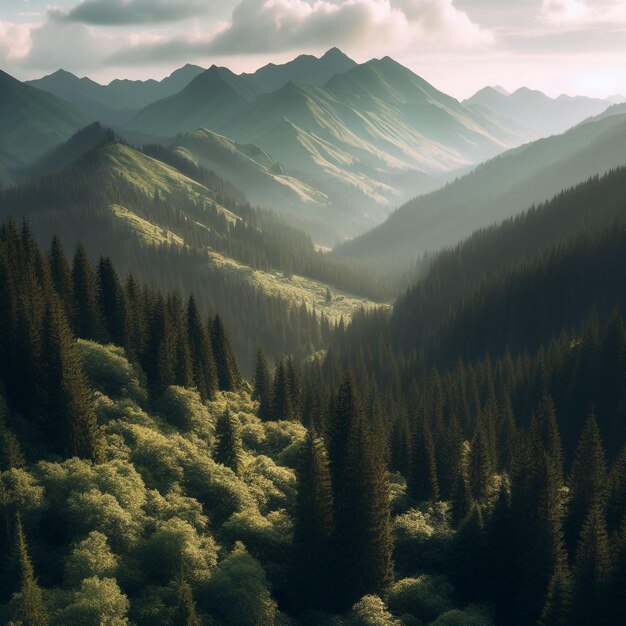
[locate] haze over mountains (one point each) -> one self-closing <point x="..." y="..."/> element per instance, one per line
<point x="496" y="190"/>
<point x="539" y="114"/>
<point x="331" y="144"/>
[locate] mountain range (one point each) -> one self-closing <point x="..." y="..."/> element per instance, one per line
<point x="333" y="145"/>
<point x="539" y="114"/>
<point x="496" y="190"/>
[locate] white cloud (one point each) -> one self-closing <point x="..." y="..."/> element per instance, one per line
<point x="15" y="40"/>
<point x="583" y="13"/>
<point x="262" y="26"/>
<point x="558" y="11"/>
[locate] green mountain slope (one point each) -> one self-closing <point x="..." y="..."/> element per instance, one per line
<point x="178" y="231"/>
<point x="253" y="170"/>
<point x="494" y="191"/>
<point x="33" y="121"/>
<point x="370" y="137"/>
<point x="208" y="100"/>
<point x="376" y="119"/>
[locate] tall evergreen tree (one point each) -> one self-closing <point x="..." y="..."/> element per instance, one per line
<point x="592" y="570"/>
<point x="557" y="610"/>
<point x="363" y="539"/>
<point x="616" y="597"/>
<point x="111" y="302"/>
<point x="588" y="480"/>
<point x="313" y="526"/>
<point x="203" y="363"/>
<point x="227" y="372"/>
<point x="228" y="448"/>
<point x="28" y="605"/>
<point x="70" y="422"/>
<point x="262" y="386"/>
<point x="87" y="323"/>
<point x="282" y="402"/>
<point x="423" y="481"/>
<point x="61" y="274"/>
<point x="135" y="320"/>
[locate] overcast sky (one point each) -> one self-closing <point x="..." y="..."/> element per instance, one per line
<point x="558" y="46"/>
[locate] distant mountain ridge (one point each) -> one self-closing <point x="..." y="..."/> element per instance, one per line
<point x="304" y="68"/>
<point x="33" y="121"/>
<point x="540" y="114"/>
<point x="114" y="102"/>
<point x="495" y="190"/>
<point x="370" y="136"/>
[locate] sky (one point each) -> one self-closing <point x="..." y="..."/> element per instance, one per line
<point x="557" y="46"/>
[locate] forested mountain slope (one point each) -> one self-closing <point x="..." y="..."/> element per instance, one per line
<point x="494" y="191"/>
<point x="182" y="230"/>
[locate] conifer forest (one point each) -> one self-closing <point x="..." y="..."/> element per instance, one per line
<point x="314" y="344"/>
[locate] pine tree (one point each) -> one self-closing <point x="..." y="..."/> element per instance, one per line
<point x="545" y="427"/>
<point x="61" y="273"/>
<point x="588" y="480"/>
<point x="470" y="555"/>
<point x="227" y="372"/>
<point x="87" y="323"/>
<point x="203" y="363"/>
<point x="423" y="481"/>
<point x="182" y="366"/>
<point x="592" y="570"/>
<point x="313" y="526"/>
<point x="346" y="412"/>
<point x="70" y="421"/>
<point x="159" y="355"/>
<point x="111" y="302"/>
<point x="557" y="610"/>
<point x="135" y="320"/>
<point x="617" y="597"/>
<point x="185" y="613"/>
<point x="294" y="385"/>
<point x="364" y="541"/>
<point x="262" y="389"/>
<point x="282" y="401"/>
<point x="228" y="448"/>
<point x="28" y="605"/>
<point x="479" y="466"/>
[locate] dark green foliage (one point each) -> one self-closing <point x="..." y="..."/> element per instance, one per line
<point x="364" y="542"/>
<point x="61" y="274"/>
<point x="588" y="480"/>
<point x="69" y="421"/>
<point x="616" y="599"/>
<point x="87" y="322"/>
<point x="423" y="481"/>
<point x="228" y="449"/>
<point x="470" y="554"/>
<point x="314" y="527"/>
<point x="111" y="302"/>
<point x="228" y="375"/>
<point x="592" y="570"/>
<point x="203" y="363"/>
<point x="282" y="406"/>
<point x="262" y="387"/>
<point x="28" y="606"/>
<point x="557" y="610"/>
<point x="185" y="613"/>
